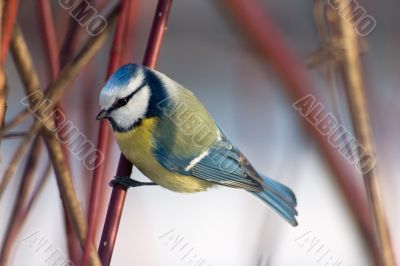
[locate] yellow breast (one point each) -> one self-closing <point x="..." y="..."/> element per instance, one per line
<point x="137" y="145"/>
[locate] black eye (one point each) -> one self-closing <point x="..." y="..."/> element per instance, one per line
<point x="121" y="102"/>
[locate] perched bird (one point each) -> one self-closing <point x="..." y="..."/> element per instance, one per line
<point x="164" y="130"/>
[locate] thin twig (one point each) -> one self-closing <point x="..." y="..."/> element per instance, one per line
<point x="19" y="118"/>
<point x="17" y="134"/>
<point x="118" y="195"/>
<point x="353" y="78"/>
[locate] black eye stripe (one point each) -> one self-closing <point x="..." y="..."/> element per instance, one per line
<point x="123" y="101"/>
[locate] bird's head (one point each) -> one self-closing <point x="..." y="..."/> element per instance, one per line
<point x="129" y="95"/>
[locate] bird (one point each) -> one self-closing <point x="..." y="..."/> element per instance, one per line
<point x="168" y="134"/>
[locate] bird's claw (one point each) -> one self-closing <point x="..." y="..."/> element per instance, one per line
<point x="128" y="182"/>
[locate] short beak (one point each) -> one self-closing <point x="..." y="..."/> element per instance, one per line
<point x="101" y="115"/>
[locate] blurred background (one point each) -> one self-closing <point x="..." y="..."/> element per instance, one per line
<point x="205" y="51"/>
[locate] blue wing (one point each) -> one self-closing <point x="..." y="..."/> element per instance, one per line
<point x="223" y="164"/>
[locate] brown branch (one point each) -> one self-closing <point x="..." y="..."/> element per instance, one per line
<point x="118" y="195"/>
<point x="67" y="189"/>
<point x="353" y="78"/>
<point x="12" y="166"/>
<point x="55" y="90"/>
<point x="36" y="191"/>
<point x="257" y="26"/>
<point x="52" y="51"/>
<point x="54" y="147"/>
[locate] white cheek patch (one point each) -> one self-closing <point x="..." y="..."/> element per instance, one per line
<point x="134" y="110"/>
<point x="111" y="92"/>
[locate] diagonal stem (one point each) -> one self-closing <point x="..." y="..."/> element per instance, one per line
<point x="353" y="78"/>
<point x="8" y="15"/>
<point x="54" y="147"/>
<point x="52" y="51"/>
<point x="16" y="220"/>
<point x="56" y="89"/>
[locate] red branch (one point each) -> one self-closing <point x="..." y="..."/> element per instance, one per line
<point x="130" y="29"/>
<point x="70" y="41"/>
<point x="52" y="50"/>
<point x="10" y="15"/>
<point x="118" y="195"/>
<point x="103" y="142"/>
<point x="260" y="29"/>
<point x="18" y="215"/>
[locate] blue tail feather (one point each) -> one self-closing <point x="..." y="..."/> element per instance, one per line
<point x="280" y="190"/>
<point x="280" y="198"/>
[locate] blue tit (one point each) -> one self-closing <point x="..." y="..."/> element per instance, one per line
<point x="167" y="133"/>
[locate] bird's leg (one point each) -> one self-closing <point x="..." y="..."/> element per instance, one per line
<point x="128" y="182"/>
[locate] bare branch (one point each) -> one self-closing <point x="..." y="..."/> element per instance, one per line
<point x="353" y="77"/>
